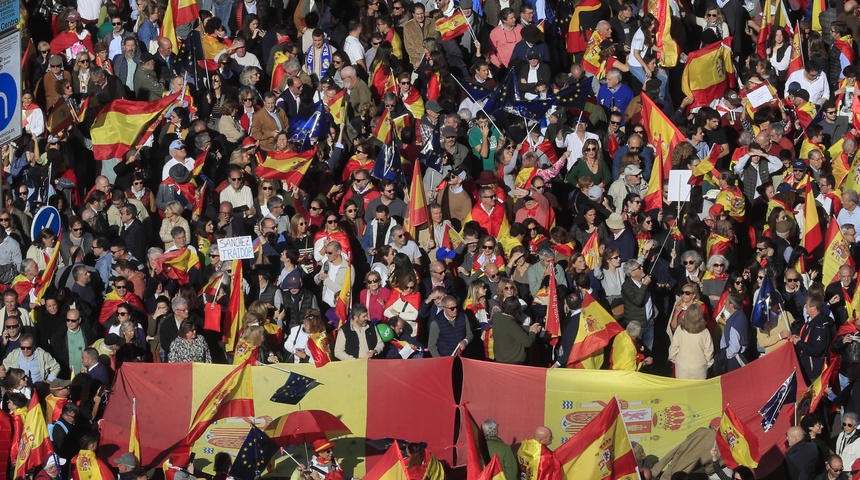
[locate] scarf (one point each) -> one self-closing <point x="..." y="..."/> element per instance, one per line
<point x="324" y="56"/>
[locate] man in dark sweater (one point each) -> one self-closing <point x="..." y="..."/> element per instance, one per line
<point x="510" y="338"/>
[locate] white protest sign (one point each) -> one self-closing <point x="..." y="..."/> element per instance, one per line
<point x="236" y="247"/>
<point x="679" y="185"/>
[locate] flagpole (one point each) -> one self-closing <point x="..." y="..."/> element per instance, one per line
<point x="475" y="102"/>
<point x="668" y="236"/>
<point x="284" y="452"/>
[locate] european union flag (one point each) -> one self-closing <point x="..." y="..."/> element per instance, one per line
<point x="478" y="91"/>
<point x="191" y="51"/>
<point x="507" y="92"/>
<point x="388" y="164"/>
<point x="787" y="393"/>
<point x="295" y="389"/>
<point x="308" y="125"/>
<point x="767" y="295"/>
<point x="256" y="451"/>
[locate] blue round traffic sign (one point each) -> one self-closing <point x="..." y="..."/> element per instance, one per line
<point x="8" y="99"/>
<point x="45" y="217"/>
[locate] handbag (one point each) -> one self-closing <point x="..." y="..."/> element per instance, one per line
<point x="721" y="363"/>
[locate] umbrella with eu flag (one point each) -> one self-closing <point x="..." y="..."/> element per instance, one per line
<point x="254" y="456"/>
<point x="294" y="389"/>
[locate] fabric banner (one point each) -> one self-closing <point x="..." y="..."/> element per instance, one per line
<point x="358" y="393"/>
<point x="659" y="412"/>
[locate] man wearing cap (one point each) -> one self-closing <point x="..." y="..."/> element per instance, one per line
<point x="533" y="71"/>
<point x="51" y="470"/>
<point x="54" y="75"/>
<point x="798" y="179"/>
<point x="125" y="463"/>
<point x="323" y="463"/>
<point x="459" y="152"/>
<point x="57" y="399"/>
<point x="631" y="181"/>
<point x="621" y="237"/>
<point x="811" y="80"/>
<point x="146" y="84"/>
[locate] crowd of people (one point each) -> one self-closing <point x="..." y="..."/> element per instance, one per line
<point x="515" y="216"/>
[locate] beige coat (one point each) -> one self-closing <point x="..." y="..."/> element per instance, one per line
<point x="692" y="354"/>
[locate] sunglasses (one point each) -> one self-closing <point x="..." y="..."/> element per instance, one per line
<point x="686" y="292"/>
<point x="719" y="264"/>
<point x="77" y="229"/>
<point x="591" y="149"/>
<point x="268" y="188"/>
<point x="373" y="281"/>
<point x="489" y="247"/>
<point x="843" y="424"/>
<point x="352" y="210"/>
<point x="73" y="320"/>
<point x="792" y="280"/>
<point x="690" y="262"/>
<point x="12" y="327"/>
<point x="26" y="348"/>
<point x="137" y="183"/>
<point x="331" y="222"/>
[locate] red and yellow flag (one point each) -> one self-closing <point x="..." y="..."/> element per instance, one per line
<point x="596" y="329"/>
<point x="382" y="131"/>
<point x="235" y="308"/>
<point x="591" y="251"/>
<point x="177" y="264"/>
<point x="200" y="201"/>
<point x="343" y="304"/>
<point x="391" y="466"/>
<point x="537" y="462"/>
<point x="319" y="345"/>
<point x="245" y="352"/>
<point x="184" y="11"/>
<point x="337" y="107"/>
<point x="121" y="123"/>
<point x="134" y="432"/>
<point x="34" y="445"/>
<point x="654" y="197"/>
<point x="553" y="314"/>
<point x="811" y="223"/>
<point x="665" y="42"/>
<point x="89" y="467"/>
<point x="47" y="276"/>
<point x="738" y="445"/>
<point x="709" y="73"/>
<point x="818" y="7"/>
<point x="493" y="470"/>
<point x="576" y="32"/>
<point x="113" y="300"/>
<point x="416" y="214"/>
<point x="168" y="26"/>
<point x="662" y="133"/>
<point x="601" y="450"/>
<point x="836" y="253"/>
<point x="808" y="402"/>
<point x="288" y="167"/>
<point x="60" y="117"/>
<point x="796" y="62"/>
<point x="707" y="168"/>
<point x="453" y="26"/>
<point x="476" y="447"/>
<point x="232" y="397"/>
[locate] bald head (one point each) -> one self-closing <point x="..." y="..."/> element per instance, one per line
<point x="491" y="270"/>
<point x="544" y="435"/>
<point x="794" y="435"/>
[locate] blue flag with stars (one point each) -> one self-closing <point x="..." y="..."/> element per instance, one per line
<point x="307" y="126"/>
<point x="786" y="393"/>
<point x="254" y="456"/>
<point x="295" y="389"/>
<point x="388" y="165"/>
<point x="767" y="296"/>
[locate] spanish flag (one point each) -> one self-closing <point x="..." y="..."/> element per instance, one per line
<point x="476" y="445"/>
<point x="662" y="133"/>
<point x="288" y="167"/>
<point x="235" y="307"/>
<point x="706" y="169"/>
<point x="382" y="131"/>
<point x="60" y="117"/>
<point x="576" y="33"/>
<point x="818" y="7"/>
<point x="601" y="450"/>
<point x="811" y="223"/>
<point x="177" y="264"/>
<point x="337" y="107"/>
<point x="199" y="203"/>
<point x="23" y="287"/>
<point x="836" y="253"/>
<point x="343" y="303"/>
<point x="737" y="443"/>
<point x="709" y="73"/>
<point x="391" y="466"/>
<point x="232" y="397"/>
<point x="168" y="26"/>
<point x="89" y="467"/>
<point x="453" y="26"/>
<point x="654" y="197"/>
<point x="537" y="462"/>
<point x="434" y="470"/>
<point x="184" y="11"/>
<point x="134" y="432"/>
<point x="591" y="251"/>
<point x="113" y="300"/>
<point x="416" y="214"/>
<point x="808" y="402"/>
<point x="47" y="276"/>
<point x="493" y="470"/>
<point x="245" y="353"/>
<point x="34" y="446"/>
<point x="717" y="245"/>
<point x="796" y="62"/>
<point x="669" y="57"/>
<point x="553" y="315"/>
<point x="381" y="81"/>
<point x="121" y="123"/>
<point x="596" y="329"/>
<point x="591" y="62"/>
<point x="414" y="103"/>
<point x="319" y="345"/>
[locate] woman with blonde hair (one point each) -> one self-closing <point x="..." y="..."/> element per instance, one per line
<point x="274" y="334"/>
<point x="475" y="304"/>
<point x="254" y="338"/>
<point x="692" y="348"/>
<point x="173" y="218"/>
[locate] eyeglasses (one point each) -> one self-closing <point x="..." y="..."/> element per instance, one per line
<point x="239" y="179"/>
<point x="491" y="196"/>
<point x="398" y="236"/>
<point x="847" y="424"/>
<point x="760" y="277"/>
<point x="83" y="60"/>
<point x="686" y="292"/>
<point x="489" y="247"/>
<point x="116" y="23"/>
<point x="404" y="83"/>
<point x="315" y="208"/>
<point x="690" y="262"/>
<point x="12" y="327"/>
<point x="72" y="320"/>
<point x="214" y="255"/>
<point x="247" y="99"/>
<point x="833" y="112"/>
<point x="614" y="123"/>
<point x="22" y="194"/>
<point x="834" y="469"/>
<point x="137" y="183"/>
<point x="44" y="52"/>
<point x="591" y="149"/>
<point x="331" y="222"/>
<point x="268" y="188"/>
<point x="450" y="308"/>
<point x="739" y="282"/>
<point x="121" y="287"/>
<point x="792" y="280"/>
<point x="375" y="44"/>
<point x="720" y="265"/>
<point x="330" y="253"/>
<point x="26" y="348"/>
<point x="509" y="147"/>
<point x="617" y="257"/>
<point x="372" y="281"/>
<point x="114" y="252"/>
<point x="713" y="15"/>
<point x="121" y="314"/>
<point x="409" y="287"/>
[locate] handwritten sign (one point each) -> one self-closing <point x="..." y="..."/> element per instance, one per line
<point x="236" y="247"/>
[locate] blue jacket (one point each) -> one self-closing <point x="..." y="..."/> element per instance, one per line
<point x="147" y="33"/>
<point x="620" y="98"/>
<point x="647" y="158"/>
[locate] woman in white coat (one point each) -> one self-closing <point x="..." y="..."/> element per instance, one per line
<point x="692" y="349"/>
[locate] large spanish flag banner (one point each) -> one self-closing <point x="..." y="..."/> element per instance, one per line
<point x="660" y="413"/>
<point x="661" y="131"/>
<point x="357" y="392"/>
<point x="288" y="167"/>
<point x="453" y="26"/>
<point x="709" y="73"/>
<point x="177" y="264"/>
<point x="601" y="450"/>
<point x="121" y="123"/>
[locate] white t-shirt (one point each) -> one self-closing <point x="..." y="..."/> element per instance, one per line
<point x="353" y="48"/>
<point x="637" y="44"/>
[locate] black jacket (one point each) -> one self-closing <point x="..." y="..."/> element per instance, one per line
<point x="814" y="345"/>
<point x="801" y="461"/>
<point x="135" y="238"/>
<point x="60" y="345"/>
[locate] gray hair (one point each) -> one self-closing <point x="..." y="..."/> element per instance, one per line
<point x="153" y="253"/>
<point x="247" y="73"/>
<point x="490" y="428"/>
<point x="696" y="256"/>
<point x="634" y="328"/>
<point x="716" y="257"/>
<point x="465" y="114"/>
<point x="844" y="228"/>
<point x="201" y="140"/>
<point x="746" y="138"/>
<point x="126" y="324"/>
<point x="851" y="416"/>
<point x="178" y="302"/>
<point x="851" y="194"/>
<point x="735" y="300"/>
<point x="613" y="72"/>
<point x="629" y="266"/>
<point x="545" y="253"/>
<point x="274" y="202"/>
<point x="78" y="271"/>
<point x="176" y="231"/>
<point x="28" y="263"/>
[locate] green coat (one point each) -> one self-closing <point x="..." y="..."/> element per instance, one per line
<point x="510" y="339"/>
<point x="506" y="456"/>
